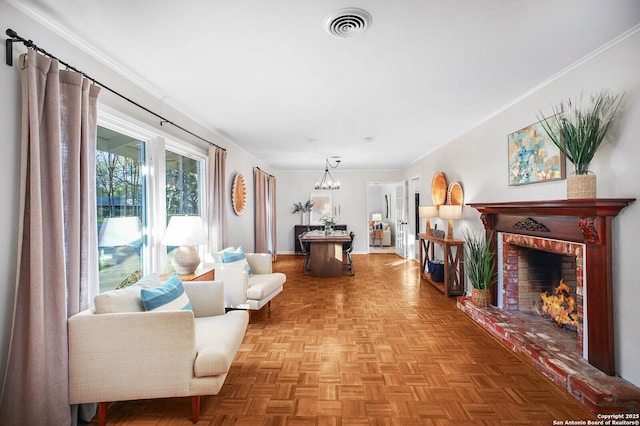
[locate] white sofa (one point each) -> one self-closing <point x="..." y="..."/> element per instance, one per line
<point x="386" y="235"/>
<point x="242" y="290"/>
<point x="119" y="352"/>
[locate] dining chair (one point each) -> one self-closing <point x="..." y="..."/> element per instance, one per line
<point x="306" y="250"/>
<point x="347" y="248"/>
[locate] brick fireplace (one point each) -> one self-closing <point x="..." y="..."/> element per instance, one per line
<point x="583" y="221"/>
<point x="541" y="243"/>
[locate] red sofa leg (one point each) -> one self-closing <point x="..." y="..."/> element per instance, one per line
<point x="102" y="413"/>
<point x="195" y="408"/>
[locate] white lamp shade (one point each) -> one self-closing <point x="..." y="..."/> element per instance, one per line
<point x="184" y="231"/>
<point x="450" y="212"/>
<point x="376" y="217"/>
<point x="428" y="211"/>
<point x="120" y="231"/>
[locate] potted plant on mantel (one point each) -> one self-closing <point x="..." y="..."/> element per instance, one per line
<point x="579" y="133"/>
<point x="302" y="209"/>
<point x="479" y="265"/>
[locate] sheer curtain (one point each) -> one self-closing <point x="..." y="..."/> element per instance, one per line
<point x="217" y="215"/>
<point x="57" y="248"/>
<point x="265" y="213"/>
<point x="272" y="217"/>
<point x="261" y="232"/>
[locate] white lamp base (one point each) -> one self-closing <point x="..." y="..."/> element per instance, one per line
<point x="185" y="260"/>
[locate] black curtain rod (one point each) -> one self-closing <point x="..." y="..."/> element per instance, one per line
<point x="16" y="38"/>
<point x="263" y="171"/>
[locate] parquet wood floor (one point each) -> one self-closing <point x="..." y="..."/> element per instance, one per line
<point x="378" y="348"/>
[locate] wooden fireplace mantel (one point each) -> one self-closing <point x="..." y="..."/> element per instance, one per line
<point x="585" y="221"/>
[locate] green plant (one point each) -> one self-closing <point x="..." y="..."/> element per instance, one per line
<point x="579" y="132"/>
<point x="328" y="220"/>
<point x="479" y="260"/>
<point x="304" y="208"/>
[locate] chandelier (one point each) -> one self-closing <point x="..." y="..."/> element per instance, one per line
<point x="328" y="182"/>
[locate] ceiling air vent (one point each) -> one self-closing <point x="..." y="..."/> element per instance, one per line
<point x="348" y="22"/>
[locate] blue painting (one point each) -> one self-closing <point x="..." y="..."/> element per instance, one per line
<point x="533" y="157"/>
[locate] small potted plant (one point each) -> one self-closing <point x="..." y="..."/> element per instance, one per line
<point x="479" y="263"/>
<point x="302" y="209"/>
<point x="579" y="132"/>
<point x="329" y="222"/>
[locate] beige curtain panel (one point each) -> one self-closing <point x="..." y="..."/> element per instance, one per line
<point x="261" y="238"/>
<point x="57" y="248"/>
<point x="217" y="214"/>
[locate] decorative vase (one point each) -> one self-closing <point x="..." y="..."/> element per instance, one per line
<point x="581" y="186"/>
<point x="481" y="297"/>
<point x="328" y="229"/>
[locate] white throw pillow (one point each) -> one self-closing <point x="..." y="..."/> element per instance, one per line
<point x="218" y="257"/>
<point x="126" y="299"/>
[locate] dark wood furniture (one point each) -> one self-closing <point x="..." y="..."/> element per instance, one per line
<point x="300" y="229"/>
<point x="326" y="259"/>
<point x="453" y="284"/>
<point x="585" y="221"/>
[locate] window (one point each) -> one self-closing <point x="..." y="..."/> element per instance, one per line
<point x="120" y="198"/>
<point x="182" y="179"/>
<point x="183" y="189"/>
<point x="142" y="179"/>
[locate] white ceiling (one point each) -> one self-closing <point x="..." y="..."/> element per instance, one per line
<point x="266" y="75"/>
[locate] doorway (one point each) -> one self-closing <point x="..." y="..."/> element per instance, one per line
<point x="381" y="219"/>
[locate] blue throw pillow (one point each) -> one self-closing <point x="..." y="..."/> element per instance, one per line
<point x="236" y="256"/>
<point x="170" y="296"/>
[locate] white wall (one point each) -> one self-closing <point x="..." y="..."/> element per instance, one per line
<point x="478" y="160"/>
<point x="9" y="194"/>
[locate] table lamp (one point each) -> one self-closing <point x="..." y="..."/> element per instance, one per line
<point x="185" y="232"/>
<point x="450" y="213"/>
<point x="428" y="212"/>
<point x="376" y="217"/>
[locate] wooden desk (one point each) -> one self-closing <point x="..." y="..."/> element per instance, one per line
<point x="203" y="273"/>
<point x="326" y="253"/>
<point x="453" y="284"/>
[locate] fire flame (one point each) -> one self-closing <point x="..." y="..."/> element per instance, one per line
<point x="560" y="305"/>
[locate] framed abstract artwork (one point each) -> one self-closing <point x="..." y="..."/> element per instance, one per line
<point x="321" y="205"/>
<point x="533" y="157"/>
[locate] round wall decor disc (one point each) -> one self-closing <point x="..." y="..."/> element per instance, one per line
<point x="455" y="196"/>
<point x="238" y="194"/>
<point x="439" y="189"/>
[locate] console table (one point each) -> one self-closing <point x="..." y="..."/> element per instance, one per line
<point x="301" y="229"/>
<point x="453" y="284"/>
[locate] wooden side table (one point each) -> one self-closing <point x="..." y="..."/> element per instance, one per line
<point x="377" y="234"/>
<point x="203" y="273"/>
<point x="453" y="284"/>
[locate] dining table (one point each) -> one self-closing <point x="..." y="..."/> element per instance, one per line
<point x="326" y="253"/>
